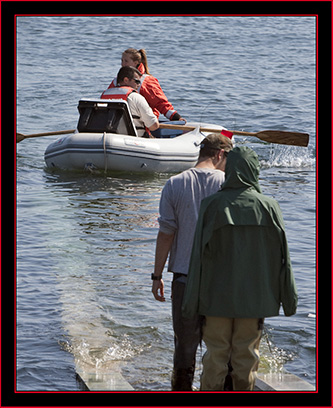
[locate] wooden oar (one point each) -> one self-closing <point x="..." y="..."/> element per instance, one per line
<point x="270" y="136"/>
<point x="20" y="136"/>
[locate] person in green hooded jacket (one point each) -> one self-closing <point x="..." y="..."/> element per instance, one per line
<point x="240" y="272"/>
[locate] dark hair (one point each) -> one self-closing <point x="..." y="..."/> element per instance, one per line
<point x="214" y="142"/>
<point x="127" y="72"/>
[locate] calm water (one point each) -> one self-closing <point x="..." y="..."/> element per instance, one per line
<point x="86" y="242"/>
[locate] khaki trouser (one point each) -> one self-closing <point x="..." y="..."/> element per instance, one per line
<point x="235" y="340"/>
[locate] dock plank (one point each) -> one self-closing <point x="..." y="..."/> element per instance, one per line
<point x="104" y="381"/>
<point x="282" y="382"/>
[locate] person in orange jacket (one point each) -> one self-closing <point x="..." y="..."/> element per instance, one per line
<point x="149" y="87"/>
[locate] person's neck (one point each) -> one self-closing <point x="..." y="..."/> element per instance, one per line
<point x="205" y="164"/>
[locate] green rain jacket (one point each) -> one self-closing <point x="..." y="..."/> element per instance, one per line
<point x="240" y="265"/>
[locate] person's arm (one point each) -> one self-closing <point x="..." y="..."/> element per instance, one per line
<point x="155" y="126"/>
<point x="163" y="245"/>
<point x="146" y="113"/>
<point x="156" y="98"/>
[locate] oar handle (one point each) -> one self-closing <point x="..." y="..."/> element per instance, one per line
<point x="204" y="129"/>
<point x="242" y="133"/>
<point x="186" y="127"/>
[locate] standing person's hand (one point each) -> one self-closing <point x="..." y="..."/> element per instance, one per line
<point x="158" y="290"/>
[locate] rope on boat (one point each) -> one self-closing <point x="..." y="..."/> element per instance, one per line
<point x="105" y="155"/>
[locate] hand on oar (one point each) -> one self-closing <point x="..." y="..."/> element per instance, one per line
<point x="21" y="136"/>
<point x="270" y="136"/>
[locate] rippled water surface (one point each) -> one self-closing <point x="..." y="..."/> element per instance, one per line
<point x="86" y="242"/>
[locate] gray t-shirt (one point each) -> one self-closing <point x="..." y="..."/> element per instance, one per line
<point x="179" y="209"/>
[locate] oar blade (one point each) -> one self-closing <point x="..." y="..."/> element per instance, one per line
<point x="284" y="137"/>
<point x="19" y="137"/>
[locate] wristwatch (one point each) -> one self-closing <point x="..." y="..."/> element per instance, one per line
<point x="154" y="277"/>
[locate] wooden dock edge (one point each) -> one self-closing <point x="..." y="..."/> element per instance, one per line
<point x="114" y="381"/>
<point x="282" y="382"/>
<point x="111" y="381"/>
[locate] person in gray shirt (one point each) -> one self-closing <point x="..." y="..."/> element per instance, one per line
<point x="179" y="209"/>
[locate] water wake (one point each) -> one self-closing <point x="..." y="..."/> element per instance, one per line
<point x="289" y="156"/>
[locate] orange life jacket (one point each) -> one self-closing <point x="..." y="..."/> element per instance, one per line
<point x="153" y="93"/>
<point x="119" y="92"/>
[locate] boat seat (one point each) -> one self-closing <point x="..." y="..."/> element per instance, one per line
<point x="168" y="133"/>
<point x="103" y="115"/>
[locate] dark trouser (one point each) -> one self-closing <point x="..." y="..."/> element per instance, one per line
<point x="187" y="334"/>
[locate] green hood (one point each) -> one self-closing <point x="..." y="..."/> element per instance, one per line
<point x="240" y="199"/>
<point x="242" y="169"/>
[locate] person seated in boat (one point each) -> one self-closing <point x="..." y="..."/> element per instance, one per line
<point x="149" y="86"/>
<point x="128" y="81"/>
